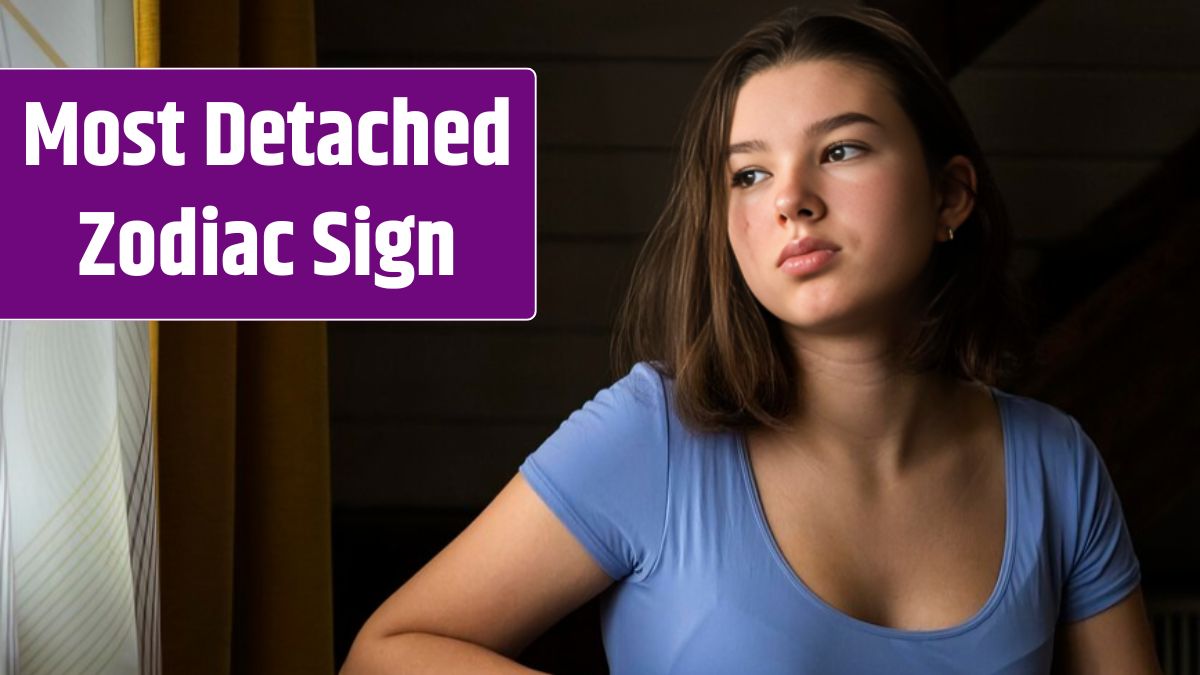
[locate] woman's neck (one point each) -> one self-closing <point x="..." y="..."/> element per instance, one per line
<point x="860" y="409"/>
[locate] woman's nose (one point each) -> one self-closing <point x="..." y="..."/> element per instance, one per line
<point x="797" y="201"/>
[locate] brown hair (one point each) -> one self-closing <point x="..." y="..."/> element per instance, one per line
<point x="689" y="312"/>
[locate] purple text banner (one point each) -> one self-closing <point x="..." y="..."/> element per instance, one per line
<point x="268" y="194"/>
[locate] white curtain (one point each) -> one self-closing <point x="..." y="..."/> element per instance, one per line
<point x="62" y="33"/>
<point x="78" y="511"/>
<point x="80" y="560"/>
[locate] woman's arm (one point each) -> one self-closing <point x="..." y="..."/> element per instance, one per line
<point x="1116" y="641"/>
<point x="509" y="576"/>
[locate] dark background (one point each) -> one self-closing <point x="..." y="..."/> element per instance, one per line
<point x="1088" y="114"/>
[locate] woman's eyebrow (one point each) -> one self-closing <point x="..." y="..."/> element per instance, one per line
<point x="818" y="128"/>
<point x="827" y="125"/>
<point x="748" y="146"/>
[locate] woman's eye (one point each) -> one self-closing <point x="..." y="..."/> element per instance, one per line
<point x="843" y="151"/>
<point x="748" y="177"/>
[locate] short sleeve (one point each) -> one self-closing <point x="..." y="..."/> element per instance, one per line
<point x="1104" y="568"/>
<point x="603" y="473"/>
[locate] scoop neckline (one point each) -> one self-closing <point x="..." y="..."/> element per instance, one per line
<point x="1001" y="401"/>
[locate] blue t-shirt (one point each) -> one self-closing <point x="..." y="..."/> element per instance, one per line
<point x="702" y="587"/>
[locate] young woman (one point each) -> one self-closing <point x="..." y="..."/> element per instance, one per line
<point x="809" y="468"/>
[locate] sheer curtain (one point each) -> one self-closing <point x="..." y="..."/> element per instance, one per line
<point x="78" y="554"/>
<point x="240" y="491"/>
<point x="78" y="505"/>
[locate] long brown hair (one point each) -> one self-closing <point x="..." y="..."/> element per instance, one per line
<point x="689" y="312"/>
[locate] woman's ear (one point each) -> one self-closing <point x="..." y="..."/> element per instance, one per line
<point x="956" y="195"/>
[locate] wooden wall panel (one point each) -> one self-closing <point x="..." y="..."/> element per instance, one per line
<point x="415" y="374"/>
<point x="1051" y="198"/>
<point x="432" y="465"/>
<point x="597" y="192"/>
<point x="1161" y="34"/>
<point x="571" y="30"/>
<point x="1118" y="122"/>
<point x="581" y="283"/>
<point x="627" y="105"/>
<point x="439" y="416"/>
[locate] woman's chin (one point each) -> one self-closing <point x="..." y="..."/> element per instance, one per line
<point x="827" y="321"/>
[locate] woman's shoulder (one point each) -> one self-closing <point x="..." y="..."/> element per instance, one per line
<point x="1097" y="565"/>
<point x="604" y="471"/>
<point x="1029" y="414"/>
<point x="646" y="383"/>
<point x="637" y="402"/>
<point x="1044" y="431"/>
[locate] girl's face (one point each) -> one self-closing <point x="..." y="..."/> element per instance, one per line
<point x="821" y="155"/>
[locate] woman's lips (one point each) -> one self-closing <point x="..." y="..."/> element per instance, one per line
<point x="807" y="263"/>
<point x="805" y="256"/>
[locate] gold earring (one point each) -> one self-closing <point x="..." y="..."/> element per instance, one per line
<point x="950" y="233"/>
